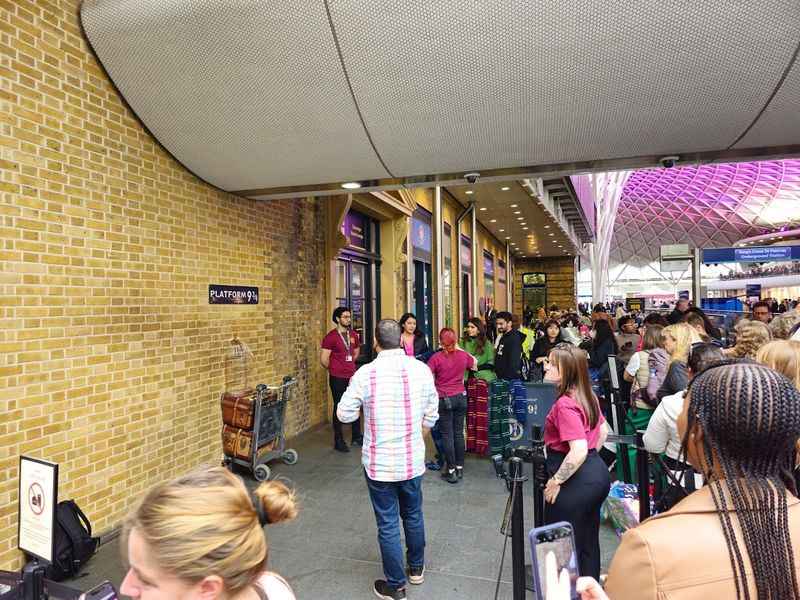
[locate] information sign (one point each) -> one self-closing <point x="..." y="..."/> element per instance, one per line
<point x="232" y="294"/>
<point x="38" y="496"/>
<point x="754" y="254"/>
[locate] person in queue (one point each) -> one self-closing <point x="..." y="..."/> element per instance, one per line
<point x="476" y="343"/>
<point x="784" y="357"/>
<point x="661" y="435"/>
<point x="783" y="325"/>
<point x="762" y="312"/>
<point x="603" y="344"/>
<point x="340" y="349"/>
<point x="201" y="536"/>
<point x="710" y="329"/>
<point x="750" y="336"/>
<point x="628" y="338"/>
<point x="413" y="339"/>
<point x="574" y="431"/>
<point x="696" y="322"/>
<point x="677" y="314"/>
<point x="678" y="340"/>
<point x="399" y="399"/>
<point x="448" y="367"/>
<point x="508" y="348"/>
<point x="739" y="535"/>
<point x="543" y="346"/>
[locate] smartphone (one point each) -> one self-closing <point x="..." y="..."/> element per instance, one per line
<point x="104" y="591"/>
<point x="559" y="539"/>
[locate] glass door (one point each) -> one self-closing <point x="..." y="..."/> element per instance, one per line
<point x="423" y="299"/>
<point x="354" y="290"/>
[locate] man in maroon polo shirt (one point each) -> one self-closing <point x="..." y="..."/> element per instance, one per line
<point x="338" y="355"/>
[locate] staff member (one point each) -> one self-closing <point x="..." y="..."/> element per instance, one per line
<point x="573" y="431"/>
<point x="340" y="348"/>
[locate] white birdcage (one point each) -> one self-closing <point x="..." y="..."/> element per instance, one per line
<point x="238" y="360"/>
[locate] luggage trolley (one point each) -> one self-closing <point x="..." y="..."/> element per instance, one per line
<point x="269" y="412"/>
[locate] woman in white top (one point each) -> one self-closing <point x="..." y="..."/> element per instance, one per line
<point x="201" y="537"/>
<point x="662" y="435"/>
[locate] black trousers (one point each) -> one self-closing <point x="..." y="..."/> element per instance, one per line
<point x="452" y="411"/>
<point x="578" y="503"/>
<point x="338" y="388"/>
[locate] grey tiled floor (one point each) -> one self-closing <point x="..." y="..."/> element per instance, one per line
<point x="331" y="550"/>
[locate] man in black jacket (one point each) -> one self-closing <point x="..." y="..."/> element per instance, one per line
<point x="676" y="316"/>
<point x="508" y="348"/>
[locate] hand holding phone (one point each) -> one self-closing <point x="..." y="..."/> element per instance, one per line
<point x="553" y="546"/>
<point x="104" y="591"/>
<point x="558" y="583"/>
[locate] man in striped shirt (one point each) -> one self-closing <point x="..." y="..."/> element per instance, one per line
<point x="399" y="400"/>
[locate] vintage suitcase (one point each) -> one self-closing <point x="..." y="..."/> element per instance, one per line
<point x="239" y="442"/>
<point x="237" y="409"/>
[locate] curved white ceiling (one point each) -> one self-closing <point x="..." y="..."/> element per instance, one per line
<point x="254" y="95"/>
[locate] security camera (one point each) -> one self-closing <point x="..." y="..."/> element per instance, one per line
<point x="668" y="161"/>
<point x="472" y="177"/>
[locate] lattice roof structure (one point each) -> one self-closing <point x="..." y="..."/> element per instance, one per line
<point x="705" y="206"/>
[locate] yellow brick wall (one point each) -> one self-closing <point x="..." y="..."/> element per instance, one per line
<point x="560" y="280"/>
<point x="110" y="355"/>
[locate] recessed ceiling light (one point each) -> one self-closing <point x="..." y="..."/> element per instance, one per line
<point x="505" y="188"/>
<point x="483" y="208"/>
<point x="351" y="185"/>
<point x="508" y="237"/>
<point x="523" y="223"/>
<point x="492" y="220"/>
<point x="520" y="218"/>
<point x="547" y="226"/>
<point x="525" y="229"/>
<point x="502" y="230"/>
<point x="513" y="205"/>
<point x="551" y="234"/>
<point x="517" y="212"/>
<point x="468" y="192"/>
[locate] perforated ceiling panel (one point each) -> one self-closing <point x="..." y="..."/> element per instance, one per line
<point x="499" y="84"/>
<point x="707" y="206"/>
<point x="780" y="123"/>
<point x="255" y="95"/>
<point x="245" y="94"/>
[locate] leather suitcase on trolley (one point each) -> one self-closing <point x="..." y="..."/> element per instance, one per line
<point x="239" y="442"/>
<point x="237" y="409"/>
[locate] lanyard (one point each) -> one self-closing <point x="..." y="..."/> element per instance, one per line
<point x="345" y="341"/>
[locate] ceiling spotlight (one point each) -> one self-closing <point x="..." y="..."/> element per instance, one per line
<point x="517" y="212"/>
<point x="469" y="192"/>
<point x="351" y="185"/>
<point x="508" y="237"/>
<point x="523" y="223"/>
<point x="483" y="208"/>
<point x="520" y="218"/>
<point x="505" y="188"/>
<point x="551" y="234"/>
<point x="492" y="220"/>
<point x="513" y="205"/>
<point x="502" y="230"/>
<point x="547" y="226"/>
<point x="525" y="229"/>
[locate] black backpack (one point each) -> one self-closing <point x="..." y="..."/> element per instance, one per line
<point x="74" y="542"/>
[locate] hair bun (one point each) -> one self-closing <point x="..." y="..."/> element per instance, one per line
<point x="278" y="500"/>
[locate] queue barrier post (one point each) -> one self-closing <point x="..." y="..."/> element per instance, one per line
<point x="643" y="476"/>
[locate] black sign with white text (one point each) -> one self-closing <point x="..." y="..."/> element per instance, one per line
<point x="232" y="294"/>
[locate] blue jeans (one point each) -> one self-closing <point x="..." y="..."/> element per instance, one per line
<point x="390" y="500"/>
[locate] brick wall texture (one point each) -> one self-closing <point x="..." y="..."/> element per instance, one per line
<point x="560" y="280"/>
<point x="111" y="359"/>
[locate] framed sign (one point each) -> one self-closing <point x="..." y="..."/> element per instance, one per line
<point x="38" y="497"/>
<point x="232" y="294"/>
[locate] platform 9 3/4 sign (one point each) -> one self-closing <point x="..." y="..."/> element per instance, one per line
<point x="232" y="294"/>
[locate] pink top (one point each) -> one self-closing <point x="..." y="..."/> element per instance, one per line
<point x="448" y="371"/>
<point x="566" y="422"/>
<point x="409" y="348"/>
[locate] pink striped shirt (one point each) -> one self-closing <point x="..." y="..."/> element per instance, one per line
<point x="398" y="396"/>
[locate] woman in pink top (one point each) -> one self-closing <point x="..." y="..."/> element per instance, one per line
<point x="201" y="536"/>
<point x="449" y="366"/>
<point x="412" y="339"/>
<point x="573" y="432"/>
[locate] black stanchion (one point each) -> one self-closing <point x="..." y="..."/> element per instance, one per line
<point x="619" y="412"/>
<point x="32" y="581"/>
<point x="643" y="476"/>
<point x="516" y="479"/>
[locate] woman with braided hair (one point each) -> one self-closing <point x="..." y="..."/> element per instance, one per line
<point x="739" y="536"/>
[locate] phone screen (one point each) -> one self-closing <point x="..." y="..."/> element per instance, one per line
<point x="104" y="591"/>
<point x="558" y="540"/>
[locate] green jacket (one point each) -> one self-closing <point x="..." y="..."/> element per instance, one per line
<point x="486" y="357"/>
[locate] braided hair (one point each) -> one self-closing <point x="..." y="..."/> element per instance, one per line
<point x="749" y="416"/>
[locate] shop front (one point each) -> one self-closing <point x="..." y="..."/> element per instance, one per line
<point x="421" y="244"/>
<point x="466" y="279"/>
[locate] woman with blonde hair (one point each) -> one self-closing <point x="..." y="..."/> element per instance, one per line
<point x="201" y="536"/>
<point x="782" y="356"/>
<point x="784" y="324"/>
<point x="678" y="340"/>
<point x="750" y="336"/>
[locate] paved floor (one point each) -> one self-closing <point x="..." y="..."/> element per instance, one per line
<point x="331" y="550"/>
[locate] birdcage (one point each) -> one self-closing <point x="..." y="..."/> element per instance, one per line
<point x="238" y="363"/>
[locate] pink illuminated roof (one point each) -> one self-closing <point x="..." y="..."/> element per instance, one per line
<point x="705" y="206"/>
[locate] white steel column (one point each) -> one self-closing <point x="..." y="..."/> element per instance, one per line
<point x="438" y="261"/>
<point x="607" y="191"/>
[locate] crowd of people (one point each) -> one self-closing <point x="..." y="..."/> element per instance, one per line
<point x="729" y="416"/>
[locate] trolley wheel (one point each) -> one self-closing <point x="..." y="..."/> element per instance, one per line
<point x="262" y="472"/>
<point x="226" y="462"/>
<point x="290" y="456"/>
